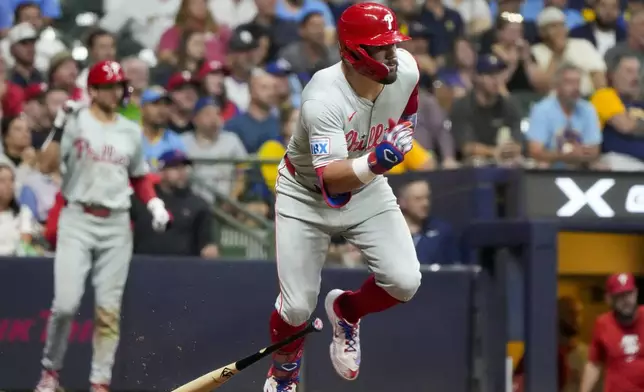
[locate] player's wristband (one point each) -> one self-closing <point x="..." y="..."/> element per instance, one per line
<point x="362" y="169"/>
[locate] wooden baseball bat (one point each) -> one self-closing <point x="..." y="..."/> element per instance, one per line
<point x="213" y="380"/>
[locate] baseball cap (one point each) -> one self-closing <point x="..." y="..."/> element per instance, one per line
<point x="154" y="95"/>
<point x="489" y="64"/>
<point x="22" y="32"/>
<point x="242" y="40"/>
<point x="418" y="30"/>
<point x="179" y="80"/>
<point x="280" y="67"/>
<point x="550" y="15"/>
<point x="173" y="158"/>
<point x="213" y="66"/>
<point x="35" y="91"/>
<point x="620" y="283"/>
<point x="205" y="101"/>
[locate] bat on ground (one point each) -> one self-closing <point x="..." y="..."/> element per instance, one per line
<point x="213" y="380"/>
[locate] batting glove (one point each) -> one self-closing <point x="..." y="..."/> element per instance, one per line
<point x="397" y="142"/>
<point x="160" y="216"/>
<point x="68" y="108"/>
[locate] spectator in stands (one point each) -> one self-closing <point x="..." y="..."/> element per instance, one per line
<point x="604" y="31"/>
<point x="510" y="10"/>
<point x="558" y="48"/>
<point x="564" y="128"/>
<point x="418" y="46"/>
<point x="407" y="12"/>
<point x="12" y="97"/>
<point x="282" y="32"/>
<point x="572" y="16"/>
<point x="38" y="192"/>
<point x="476" y="15"/>
<point x="184" y="91"/>
<point x="289" y="86"/>
<point x="137" y="73"/>
<point x="208" y="141"/>
<point x="258" y="124"/>
<point x="194" y="15"/>
<point x="486" y="124"/>
<point x="262" y="35"/>
<point x="633" y="45"/>
<point x="522" y="72"/>
<point x="435" y="240"/>
<point x="274" y="150"/>
<point x="433" y="129"/>
<point x="190" y="57"/>
<point x="101" y="46"/>
<point x="233" y="12"/>
<point x="63" y="74"/>
<point x="50" y="9"/>
<point x="157" y="139"/>
<point x="446" y="26"/>
<point x="34" y="108"/>
<point x="241" y="59"/>
<point x="191" y="232"/>
<point x="311" y="53"/>
<point x="22" y="46"/>
<point x="211" y="77"/>
<point x="16" y="227"/>
<point x="459" y="71"/>
<point x="621" y="115"/>
<point x="298" y="10"/>
<point x="18" y="152"/>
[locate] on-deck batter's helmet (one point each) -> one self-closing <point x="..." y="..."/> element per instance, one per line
<point x="108" y="72"/>
<point x="367" y="24"/>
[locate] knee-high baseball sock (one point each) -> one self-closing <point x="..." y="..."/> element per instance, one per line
<point x="286" y="357"/>
<point x="370" y="298"/>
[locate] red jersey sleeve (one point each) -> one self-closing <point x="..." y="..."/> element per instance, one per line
<point x="411" y="109"/>
<point x="596" y="351"/>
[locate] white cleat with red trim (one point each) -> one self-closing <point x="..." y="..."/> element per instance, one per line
<point x="345" y="346"/>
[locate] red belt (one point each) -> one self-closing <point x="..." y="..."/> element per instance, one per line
<point x="94" y="210"/>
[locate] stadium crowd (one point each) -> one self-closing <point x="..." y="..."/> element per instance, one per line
<point x="216" y="83"/>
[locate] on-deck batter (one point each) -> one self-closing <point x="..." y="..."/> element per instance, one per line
<point x="99" y="153"/>
<point x="357" y="120"/>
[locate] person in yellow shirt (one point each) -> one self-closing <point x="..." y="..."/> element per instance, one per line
<point x="274" y="150"/>
<point x="418" y="159"/>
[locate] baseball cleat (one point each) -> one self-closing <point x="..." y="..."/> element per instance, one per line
<point x="48" y="381"/>
<point x="274" y="384"/>
<point x="345" y="346"/>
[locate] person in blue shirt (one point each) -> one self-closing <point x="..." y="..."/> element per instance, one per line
<point x="564" y="129"/>
<point x="157" y="139"/>
<point x="289" y="85"/>
<point x="435" y="240"/>
<point x="259" y="124"/>
<point x="50" y="9"/>
<point x="295" y="10"/>
<point x="445" y="24"/>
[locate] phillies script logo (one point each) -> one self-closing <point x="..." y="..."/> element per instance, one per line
<point x="107" y="154"/>
<point x="362" y="143"/>
<point x="26" y="330"/>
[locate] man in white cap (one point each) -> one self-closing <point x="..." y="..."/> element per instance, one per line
<point x="557" y="48"/>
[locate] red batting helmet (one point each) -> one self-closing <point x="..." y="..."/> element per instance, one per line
<point x="106" y="73"/>
<point x="367" y="24"/>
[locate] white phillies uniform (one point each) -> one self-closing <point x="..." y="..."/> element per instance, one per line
<point x="337" y="124"/>
<point x="97" y="161"/>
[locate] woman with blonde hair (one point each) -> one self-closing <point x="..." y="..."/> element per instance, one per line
<point x="194" y="16"/>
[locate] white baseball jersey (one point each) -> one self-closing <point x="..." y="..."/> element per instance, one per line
<point x="98" y="159"/>
<point x="336" y="124"/>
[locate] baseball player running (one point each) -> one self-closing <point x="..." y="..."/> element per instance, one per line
<point x="357" y="122"/>
<point x="100" y="153"/>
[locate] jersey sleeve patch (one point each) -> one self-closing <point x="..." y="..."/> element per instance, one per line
<point x="320" y="146"/>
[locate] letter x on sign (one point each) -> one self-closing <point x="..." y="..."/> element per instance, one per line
<point x="592" y="198"/>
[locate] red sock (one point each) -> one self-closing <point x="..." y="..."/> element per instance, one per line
<point x="280" y="330"/>
<point x="370" y="298"/>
